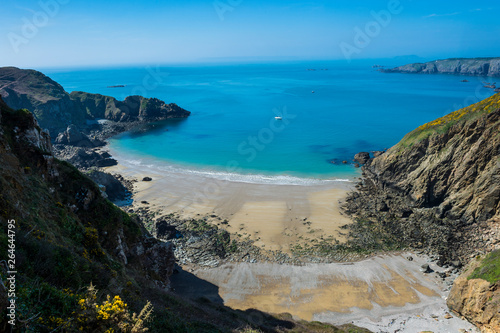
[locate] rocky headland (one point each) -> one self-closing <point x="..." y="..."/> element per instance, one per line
<point x="79" y="123"/>
<point x="55" y="109"/>
<point x="461" y="66"/>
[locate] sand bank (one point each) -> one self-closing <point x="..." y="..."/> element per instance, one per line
<point x="276" y="216"/>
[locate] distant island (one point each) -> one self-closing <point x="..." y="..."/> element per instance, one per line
<point x="460" y="66"/>
<point x="117" y="86"/>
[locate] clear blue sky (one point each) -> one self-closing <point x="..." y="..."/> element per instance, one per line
<point x="81" y="33"/>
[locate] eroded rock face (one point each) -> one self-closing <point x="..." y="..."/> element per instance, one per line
<point x="157" y="258"/>
<point x="72" y="136"/>
<point x="84" y="158"/>
<point x="133" y="108"/>
<point x="113" y="187"/>
<point x="477" y="300"/>
<point x="438" y="189"/>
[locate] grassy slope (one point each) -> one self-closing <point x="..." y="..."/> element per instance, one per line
<point x="489" y="269"/>
<point x="441" y="125"/>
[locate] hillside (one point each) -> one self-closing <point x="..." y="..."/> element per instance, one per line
<point x="55" y="109"/>
<point x="73" y="247"/>
<point x="439" y="188"/>
<point x="462" y="66"/>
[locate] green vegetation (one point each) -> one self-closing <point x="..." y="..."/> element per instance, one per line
<point x="443" y="124"/>
<point x="489" y="269"/>
<point x="68" y="237"/>
<point x="364" y="237"/>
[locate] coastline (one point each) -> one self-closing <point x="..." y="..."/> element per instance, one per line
<point x="276" y="217"/>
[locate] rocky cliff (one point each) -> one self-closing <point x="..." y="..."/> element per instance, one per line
<point x="67" y="234"/>
<point x="55" y="109"/>
<point x="439" y="188"/>
<point x="462" y="66"/>
<point x="475" y="294"/>
<point x="51" y="105"/>
<point x="133" y="108"/>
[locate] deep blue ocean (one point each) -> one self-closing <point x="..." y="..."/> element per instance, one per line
<point x="331" y="110"/>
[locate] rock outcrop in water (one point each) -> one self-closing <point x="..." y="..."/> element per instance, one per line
<point x="55" y="109"/>
<point x="462" y="66"/>
<point x="439" y="187"/>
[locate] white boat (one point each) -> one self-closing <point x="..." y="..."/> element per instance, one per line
<point x="278" y="118"/>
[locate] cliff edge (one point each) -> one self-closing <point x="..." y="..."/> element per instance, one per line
<point x="462" y="66"/>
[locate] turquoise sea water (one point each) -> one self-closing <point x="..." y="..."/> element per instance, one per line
<point x="232" y="131"/>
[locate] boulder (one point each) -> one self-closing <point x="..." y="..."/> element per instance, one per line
<point x="73" y="137"/>
<point x="362" y="157"/>
<point x="113" y="187"/>
<point x="426" y="268"/>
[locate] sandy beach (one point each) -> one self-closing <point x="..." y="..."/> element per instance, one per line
<point x="276" y="217"/>
<point x="386" y="293"/>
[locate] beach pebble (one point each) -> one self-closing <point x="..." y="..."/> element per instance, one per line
<point x="147" y="179"/>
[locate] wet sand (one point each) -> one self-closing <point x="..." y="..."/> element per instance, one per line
<point x="383" y="293"/>
<point x="277" y="217"/>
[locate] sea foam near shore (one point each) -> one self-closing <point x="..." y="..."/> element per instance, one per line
<point x="164" y="167"/>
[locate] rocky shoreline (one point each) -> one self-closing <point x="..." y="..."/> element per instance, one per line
<point x="461" y="66"/>
<point x="436" y="191"/>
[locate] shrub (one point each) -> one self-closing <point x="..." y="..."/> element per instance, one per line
<point x="110" y="316"/>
